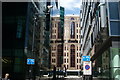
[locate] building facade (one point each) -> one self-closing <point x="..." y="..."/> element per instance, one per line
<point x="100" y="36"/>
<point x="69" y="55"/>
<point x="71" y="50"/>
<point x="23" y="38"/>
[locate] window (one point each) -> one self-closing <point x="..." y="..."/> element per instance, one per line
<point x="77" y="48"/>
<point x="77" y="25"/>
<point x="55" y="25"/>
<point x="67" y="54"/>
<point x="55" y="31"/>
<point x="72" y="18"/>
<point x="77" y="61"/>
<point x="53" y="60"/>
<point x="54" y="48"/>
<point x="77" y="54"/>
<point x="53" y="36"/>
<point x="114" y="10"/>
<point x="77" y="36"/>
<point x="65" y="47"/>
<point x="53" y="54"/>
<point x="64" y="60"/>
<point x="72" y="30"/>
<point x="64" y="54"/>
<point x="80" y="60"/>
<point x="77" y="66"/>
<point x="77" y="30"/>
<point x="72" y="56"/>
<point x="59" y="31"/>
<point x="59" y="55"/>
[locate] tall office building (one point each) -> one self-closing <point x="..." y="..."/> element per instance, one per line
<point x="69" y="54"/>
<point x="23" y="28"/>
<point x="100" y="38"/>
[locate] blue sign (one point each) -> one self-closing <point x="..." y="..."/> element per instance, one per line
<point x="86" y="58"/>
<point x="30" y="61"/>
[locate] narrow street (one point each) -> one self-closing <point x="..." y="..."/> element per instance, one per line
<point x="60" y="40"/>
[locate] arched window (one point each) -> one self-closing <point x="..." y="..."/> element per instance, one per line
<point x="72" y="18"/>
<point x="59" y="55"/>
<point x="72" y="30"/>
<point x="72" y="56"/>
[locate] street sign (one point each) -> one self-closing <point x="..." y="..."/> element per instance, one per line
<point x="30" y="61"/>
<point x="87" y="69"/>
<point x="85" y="58"/>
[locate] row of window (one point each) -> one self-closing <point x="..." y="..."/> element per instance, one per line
<point x="78" y="66"/>
<point x="55" y="31"/>
<point x="66" y="48"/>
<point x="65" y="54"/>
<point x="55" y="25"/>
<point x="55" y="36"/>
<point x="67" y="60"/>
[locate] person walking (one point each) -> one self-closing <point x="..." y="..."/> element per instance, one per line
<point x="54" y="73"/>
<point x="6" y="77"/>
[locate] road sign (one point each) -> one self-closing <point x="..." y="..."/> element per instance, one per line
<point x="85" y="58"/>
<point x="30" y="61"/>
<point x="87" y="69"/>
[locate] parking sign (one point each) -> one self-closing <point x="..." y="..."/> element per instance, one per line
<point x="87" y="69"/>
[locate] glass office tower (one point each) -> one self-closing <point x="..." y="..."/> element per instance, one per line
<point x="23" y="25"/>
<point x="100" y="21"/>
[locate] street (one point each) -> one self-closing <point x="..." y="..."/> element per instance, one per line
<point x="69" y="78"/>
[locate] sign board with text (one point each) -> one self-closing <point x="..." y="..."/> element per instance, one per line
<point x="87" y="68"/>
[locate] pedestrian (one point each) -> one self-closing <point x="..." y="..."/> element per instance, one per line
<point x="54" y="73"/>
<point x="65" y="73"/>
<point x="6" y="77"/>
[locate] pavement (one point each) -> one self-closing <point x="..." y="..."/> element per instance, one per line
<point x="45" y="77"/>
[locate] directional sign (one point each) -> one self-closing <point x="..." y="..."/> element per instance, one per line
<point x="86" y="58"/>
<point x="30" y="61"/>
<point x="87" y="69"/>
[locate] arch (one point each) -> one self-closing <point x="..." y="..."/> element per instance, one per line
<point x="72" y="18"/>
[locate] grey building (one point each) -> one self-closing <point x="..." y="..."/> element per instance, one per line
<point x="100" y="36"/>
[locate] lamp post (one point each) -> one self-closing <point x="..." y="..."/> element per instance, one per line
<point x="33" y="37"/>
<point x="33" y="44"/>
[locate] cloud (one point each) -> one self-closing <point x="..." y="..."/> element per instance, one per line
<point x="70" y="4"/>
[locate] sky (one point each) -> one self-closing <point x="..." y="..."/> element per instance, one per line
<point x="71" y="6"/>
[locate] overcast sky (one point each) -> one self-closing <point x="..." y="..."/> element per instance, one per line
<point x="71" y="6"/>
